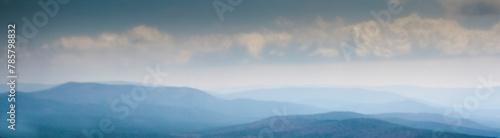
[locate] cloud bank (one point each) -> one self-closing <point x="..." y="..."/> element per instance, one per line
<point x="323" y="38"/>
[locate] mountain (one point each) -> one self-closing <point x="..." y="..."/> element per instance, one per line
<point x="27" y="87"/>
<point x="427" y="117"/>
<point x="341" y="99"/>
<point x="68" y="109"/>
<point x="406" y="106"/>
<point x="311" y="93"/>
<point x="420" y="120"/>
<point x="72" y="107"/>
<point x="442" y="96"/>
<point x="84" y="93"/>
<point x="487" y="111"/>
<point x="299" y="127"/>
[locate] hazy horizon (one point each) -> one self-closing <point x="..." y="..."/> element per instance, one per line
<point x="250" y="68"/>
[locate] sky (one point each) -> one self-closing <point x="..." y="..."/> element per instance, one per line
<point x="214" y="44"/>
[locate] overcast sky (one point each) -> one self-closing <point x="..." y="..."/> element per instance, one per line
<point x="431" y="43"/>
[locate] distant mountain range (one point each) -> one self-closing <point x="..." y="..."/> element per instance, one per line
<point x="28" y="87"/>
<point x="383" y="99"/>
<point x="441" y="96"/>
<point x="415" y="120"/>
<point x="67" y="109"/>
<point x="341" y="99"/>
<point x="77" y="106"/>
<point x="336" y="124"/>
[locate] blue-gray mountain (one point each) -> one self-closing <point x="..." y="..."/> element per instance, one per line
<point x="77" y="106"/>
<point x="341" y="99"/>
<point x="67" y="109"/>
<point x="300" y="127"/>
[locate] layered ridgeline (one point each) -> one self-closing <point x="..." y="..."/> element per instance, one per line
<point x="306" y="126"/>
<point x="343" y="99"/>
<point x="69" y="109"/>
<point x="388" y="99"/>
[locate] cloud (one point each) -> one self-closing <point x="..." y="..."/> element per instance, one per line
<point x="157" y="45"/>
<point x="144" y="33"/>
<point x="320" y="34"/>
<point x="138" y="35"/>
<point x="322" y="37"/>
<point x="208" y="43"/>
<point x="372" y="39"/>
<point x="327" y="52"/>
<point x="135" y="46"/>
<point x="105" y="40"/>
<point x="327" y="37"/>
<point x="446" y="36"/>
<point x="401" y="36"/>
<point x="254" y="42"/>
<point x="471" y="7"/>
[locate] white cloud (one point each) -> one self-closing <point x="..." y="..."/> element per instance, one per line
<point x="208" y="43"/>
<point x="445" y="35"/>
<point x="253" y="41"/>
<point x="327" y="52"/>
<point x="330" y="35"/>
<point x="137" y="35"/>
<point x="371" y="38"/>
<point x="320" y="34"/>
<point x="157" y="45"/>
<point x="401" y="36"/>
<point x="105" y="40"/>
<point x="145" y="33"/>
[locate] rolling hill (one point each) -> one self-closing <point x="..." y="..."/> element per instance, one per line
<point x="298" y="127"/>
<point x="78" y="106"/>
<point x="341" y="99"/>
<point x="68" y="109"/>
<point x="422" y="121"/>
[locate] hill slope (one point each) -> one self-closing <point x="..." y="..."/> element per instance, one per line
<point x="78" y="106"/>
<point x="295" y="127"/>
<point x="422" y="121"/>
<point x="340" y="99"/>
